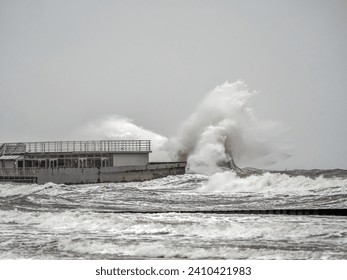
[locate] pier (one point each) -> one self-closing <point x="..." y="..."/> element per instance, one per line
<point x="72" y="162"/>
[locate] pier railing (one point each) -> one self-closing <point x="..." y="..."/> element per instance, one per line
<point x="76" y="146"/>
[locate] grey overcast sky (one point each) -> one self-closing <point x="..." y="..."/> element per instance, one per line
<point x="65" y="63"/>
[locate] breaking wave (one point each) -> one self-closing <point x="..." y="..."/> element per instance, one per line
<point x="275" y="183"/>
<point x="224" y="129"/>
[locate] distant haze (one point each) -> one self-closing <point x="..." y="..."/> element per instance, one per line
<point x="65" y="65"/>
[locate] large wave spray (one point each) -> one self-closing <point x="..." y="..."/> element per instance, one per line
<point x="225" y="128"/>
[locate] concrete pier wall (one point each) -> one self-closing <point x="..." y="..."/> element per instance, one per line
<point x="109" y="174"/>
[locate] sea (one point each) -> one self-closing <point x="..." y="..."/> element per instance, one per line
<point x="147" y="220"/>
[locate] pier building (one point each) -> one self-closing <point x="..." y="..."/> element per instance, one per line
<point x="72" y="162"/>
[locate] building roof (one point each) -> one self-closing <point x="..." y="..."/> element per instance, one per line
<point x="10" y="157"/>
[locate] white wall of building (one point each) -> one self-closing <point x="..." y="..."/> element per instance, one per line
<point x="130" y="159"/>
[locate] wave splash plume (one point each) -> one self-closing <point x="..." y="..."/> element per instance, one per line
<point x="224" y="129"/>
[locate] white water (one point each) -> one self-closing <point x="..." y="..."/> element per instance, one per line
<point x="229" y="181"/>
<point x="94" y="235"/>
<point x="81" y="221"/>
<point x="224" y="126"/>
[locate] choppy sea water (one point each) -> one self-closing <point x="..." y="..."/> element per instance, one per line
<point x="81" y="221"/>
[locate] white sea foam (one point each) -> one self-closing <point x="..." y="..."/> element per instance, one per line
<point x="171" y="235"/>
<point x="229" y="181"/>
<point x="13" y="189"/>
